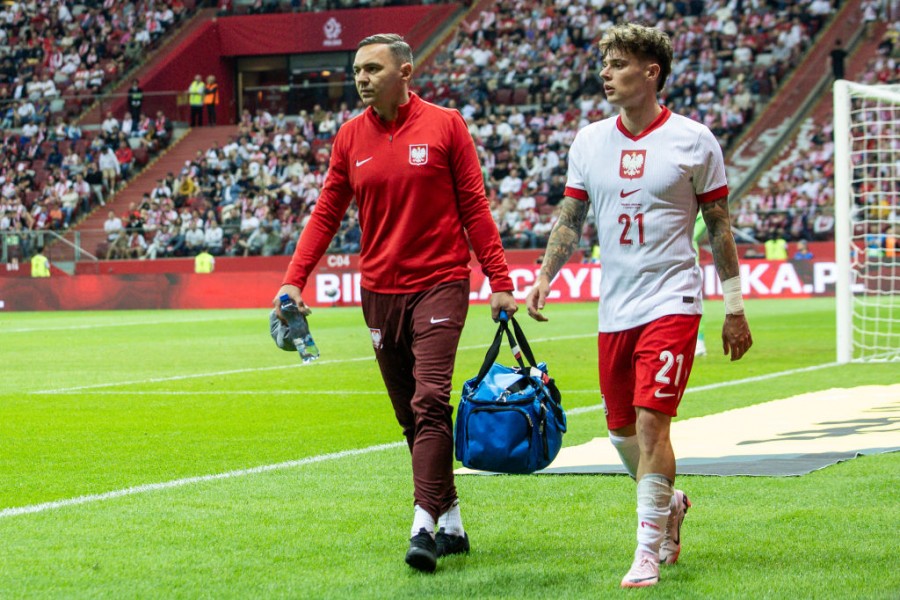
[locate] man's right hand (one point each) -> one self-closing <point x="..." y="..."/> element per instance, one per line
<point x="294" y="292"/>
<point x="537" y="298"/>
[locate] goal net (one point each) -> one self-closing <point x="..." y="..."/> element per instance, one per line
<point x="867" y="221"/>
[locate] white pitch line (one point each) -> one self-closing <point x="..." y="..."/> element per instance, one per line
<point x="199" y="375"/>
<point x="152" y="487"/>
<point x="261" y="369"/>
<point x="296" y="392"/>
<point x="107" y="325"/>
<point x="260" y="392"/>
<point x="339" y="361"/>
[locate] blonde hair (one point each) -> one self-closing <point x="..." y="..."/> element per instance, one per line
<point x="643" y="42"/>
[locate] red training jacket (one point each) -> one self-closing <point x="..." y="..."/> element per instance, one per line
<point x="419" y="189"/>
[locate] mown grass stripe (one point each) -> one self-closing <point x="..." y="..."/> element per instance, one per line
<point x="175" y="483"/>
<point x="151" y="487"/>
<point x="263" y="369"/>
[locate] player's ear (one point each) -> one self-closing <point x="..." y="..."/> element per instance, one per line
<point x="406" y="70"/>
<point x="652" y="71"/>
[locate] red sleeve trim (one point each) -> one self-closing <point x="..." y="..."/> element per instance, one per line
<point x="713" y="195"/>
<point x="577" y="194"/>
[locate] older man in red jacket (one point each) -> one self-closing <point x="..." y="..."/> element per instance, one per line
<point x="412" y="168"/>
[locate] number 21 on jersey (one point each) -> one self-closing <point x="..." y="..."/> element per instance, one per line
<point x="632" y="229"/>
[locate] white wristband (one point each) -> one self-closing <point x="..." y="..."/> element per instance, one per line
<point x="734" y="302"/>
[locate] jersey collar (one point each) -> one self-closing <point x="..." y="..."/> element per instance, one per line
<point x="661" y="118"/>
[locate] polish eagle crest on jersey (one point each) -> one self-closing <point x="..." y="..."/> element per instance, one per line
<point x="631" y="165"/>
<point x="418" y="154"/>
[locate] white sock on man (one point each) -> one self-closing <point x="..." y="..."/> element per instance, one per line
<point x="629" y="451"/>
<point x="451" y="521"/>
<point x="654" y="496"/>
<point x="422" y="520"/>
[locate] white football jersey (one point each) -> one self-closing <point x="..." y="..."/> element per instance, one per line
<point x="645" y="192"/>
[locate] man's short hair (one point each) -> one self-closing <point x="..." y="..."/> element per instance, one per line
<point x="399" y="48"/>
<point x="644" y="42"/>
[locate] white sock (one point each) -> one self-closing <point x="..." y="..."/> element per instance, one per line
<point x="629" y="451"/>
<point x="654" y="495"/>
<point x="422" y="520"/>
<point x="451" y="521"/>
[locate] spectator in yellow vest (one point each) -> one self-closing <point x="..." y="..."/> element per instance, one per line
<point x="776" y="248"/>
<point x="204" y="262"/>
<point x="195" y="99"/>
<point x="40" y="264"/>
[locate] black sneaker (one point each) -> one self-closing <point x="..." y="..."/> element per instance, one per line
<point x="422" y="553"/>
<point x="447" y="543"/>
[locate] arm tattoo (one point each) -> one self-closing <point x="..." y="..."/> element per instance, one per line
<point x="565" y="235"/>
<point x="724" y="251"/>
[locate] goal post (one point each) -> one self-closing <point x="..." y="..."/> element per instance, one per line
<point x="867" y="221"/>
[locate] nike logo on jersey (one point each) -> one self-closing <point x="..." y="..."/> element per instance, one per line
<point x="661" y="394"/>
<point x="360" y="163"/>
<point x="624" y="194"/>
<point x="435" y="321"/>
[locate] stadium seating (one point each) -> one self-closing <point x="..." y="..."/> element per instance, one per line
<point x="794" y="198"/>
<point x="76" y="36"/>
<point x="525" y="87"/>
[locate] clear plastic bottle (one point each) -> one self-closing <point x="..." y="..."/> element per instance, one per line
<point x="299" y="328"/>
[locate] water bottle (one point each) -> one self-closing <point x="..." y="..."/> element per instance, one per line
<point x="299" y="329"/>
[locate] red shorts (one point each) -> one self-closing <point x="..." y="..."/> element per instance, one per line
<point x="647" y="366"/>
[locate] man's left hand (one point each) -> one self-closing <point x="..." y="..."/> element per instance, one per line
<point x="736" y="338"/>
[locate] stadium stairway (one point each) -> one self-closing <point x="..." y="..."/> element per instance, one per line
<point x="436" y="44"/>
<point x="820" y="110"/>
<point x="855" y="67"/>
<point x="809" y="82"/>
<point x="170" y="160"/>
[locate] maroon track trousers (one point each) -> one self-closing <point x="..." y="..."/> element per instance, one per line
<point x="415" y="338"/>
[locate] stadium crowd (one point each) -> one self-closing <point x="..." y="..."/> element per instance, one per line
<point x="524" y="85"/>
<point x="54" y="58"/>
<point x="794" y="199"/>
<point x="729" y="57"/>
<point x="50" y="176"/>
<point x="259" y="7"/>
<point x="55" y="55"/>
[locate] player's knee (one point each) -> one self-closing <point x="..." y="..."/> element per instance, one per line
<point x="624" y="431"/>
<point x="653" y="427"/>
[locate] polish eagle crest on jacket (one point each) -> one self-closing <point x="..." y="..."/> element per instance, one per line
<point x="418" y="154"/>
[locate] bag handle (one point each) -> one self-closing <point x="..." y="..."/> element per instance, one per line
<point x="523" y="343"/>
<point x="517" y="343"/>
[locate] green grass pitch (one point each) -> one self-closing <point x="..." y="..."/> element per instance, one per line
<point x="95" y="403"/>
